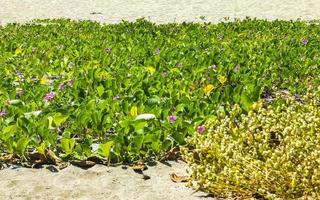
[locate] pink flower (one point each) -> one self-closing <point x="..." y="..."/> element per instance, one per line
<point x="3" y="113"/>
<point x="69" y="82"/>
<point x="172" y="118"/>
<point x="61" y="86"/>
<point x="237" y="68"/>
<point x="305" y="41"/>
<point x="213" y="67"/>
<point x="49" y="96"/>
<point x="60" y="46"/>
<point x="107" y="50"/>
<point x="157" y="51"/>
<point x="71" y="65"/>
<point x="200" y="129"/>
<point x="165" y="74"/>
<point x="19" y="93"/>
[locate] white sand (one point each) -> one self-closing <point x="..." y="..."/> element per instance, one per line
<point x="160" y="11"/>
<point x="101" y="182"/>
<point x="98" y="182"/>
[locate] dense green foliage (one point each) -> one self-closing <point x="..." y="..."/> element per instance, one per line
<point x="271" y="152"/>
<point x="70" y="86"/>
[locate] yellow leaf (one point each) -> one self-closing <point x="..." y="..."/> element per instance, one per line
<point x="192" y="87"/>
<point x="256" y="105"/>
<point x="222" y="80"/>
<point x="177" y="179"/>
<point x="44" y="80"/>
<point x="18" y="50"/>
<point x="208" y="89"/>
<point x="134" y="111"/>
<point x="17" y="78"/>
<point x="104" y="75"/>
<point x="70" y="74"/>
<point x="18" y="89"/>
<point x="234" y="130"/>
<point x="151" y="70"/>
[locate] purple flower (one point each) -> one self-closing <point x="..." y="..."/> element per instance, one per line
<point x="200" y="129"/>
<point x="180" y="65"/>
<point x="157" y="51"/>
<point x="60" y="46"/>
<point x="3" y="113"/>
<point x="115" y="98"/>
<point x="107" y="50"/>
<point x="237" y="68"/>
<point x="71" y="65"/>
<point x="61" y="86"/>
<point x="213" y="67"/>
<point x="19" y="93"/>
<point x="8" y="102"/>
<point x="220" y="36"/>
<point x="52" y="79"/>
<point x="49" y="96"/>
<point x="69" y="82"/>
<point x="165" y="74"/>
<point x="172" y="118"/>
<point x="305" y="41"/>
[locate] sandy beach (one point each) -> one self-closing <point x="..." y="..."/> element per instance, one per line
<point x="160" y="11"/>
<point x="101" y="182"/>
<point x="98" y="182"/>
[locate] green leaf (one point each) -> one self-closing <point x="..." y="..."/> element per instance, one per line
<point x="42" y="148"/>
<point x="155" y="146"/>
<point x="180" y="108"/>
<point x="50" y="122"/>
<point x="60" y="119"/>
<point x="16" y="102"/>
<point x="8" y="131"/>
<point x="137" y="142"/>
<point x="139" y="125"/>
<point x="100" y="90"/>
<point x="104" y="149"/>
<point x="22" y="145"/>
<point x="149" y="138"/>
<point x="179" y="137"/>
<point x="245" y="102"/>
<point x="68" y="145"/>
<point x="237" y="94"/>
<point x="166" y="145"/>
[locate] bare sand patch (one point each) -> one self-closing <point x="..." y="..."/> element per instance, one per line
<point x="159" y="11"/>
<point x="98" y="182"/>
<point x="101" y="182"/>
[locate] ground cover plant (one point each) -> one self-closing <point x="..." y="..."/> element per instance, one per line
<point x="134" y="90"/>
<point x="272" y="152"/>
